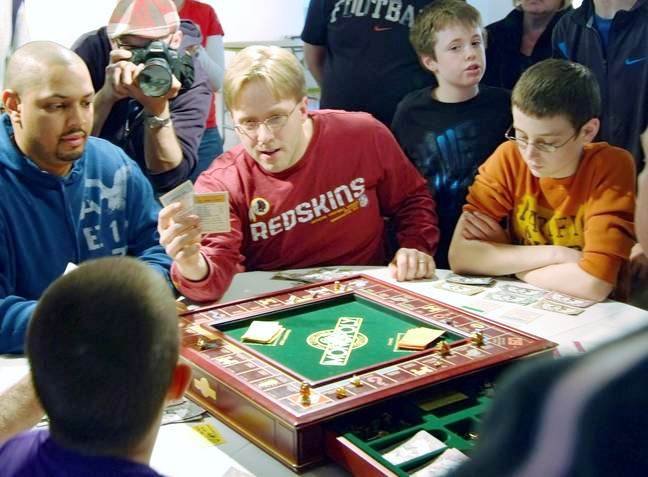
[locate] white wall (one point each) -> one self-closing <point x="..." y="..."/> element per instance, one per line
<point x="243" y="20"/>
<point x="64" y="21"/>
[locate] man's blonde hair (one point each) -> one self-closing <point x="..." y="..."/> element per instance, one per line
<point x="438" y="16"/>
<point x="278" y="68"/>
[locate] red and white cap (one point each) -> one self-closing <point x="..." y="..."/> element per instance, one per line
<point x="146" y="18"/>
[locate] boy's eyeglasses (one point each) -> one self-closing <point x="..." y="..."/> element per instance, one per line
<point x="540" y="146"/>
<point x="273" y="123"/>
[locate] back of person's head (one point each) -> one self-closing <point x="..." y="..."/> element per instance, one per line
<point x="554" y="87"/>
<point x="278" y="68"/>
<point x="103" y="345"/>
<point x="438" y="16"/>
<point x="144" y="18"/>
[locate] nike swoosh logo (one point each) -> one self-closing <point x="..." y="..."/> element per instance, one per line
<point x="632" y="61"/>
<point x="378" y="28"/>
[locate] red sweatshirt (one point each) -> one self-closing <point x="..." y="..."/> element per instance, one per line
<point x="327" y="209"/>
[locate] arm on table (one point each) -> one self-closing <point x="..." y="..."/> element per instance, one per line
<point x="20" y="409"/>
<point x="568" y="278"/>
<point x="481" y="257"/>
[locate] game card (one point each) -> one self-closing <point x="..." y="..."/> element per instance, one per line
<point x="184" y="193"/>
<point x="464" y="280"/>
<point x="520" y="290"/>
<point x="211" y="207"/>
<point x="547" y="305"/>
<point x="419" y="444"/>
<point x="459" y="288"/>
<point x="449" y="460"/>
<point x="568" y="300"/>
<point x="508" y="297"/>
<point x="213" y="210"/>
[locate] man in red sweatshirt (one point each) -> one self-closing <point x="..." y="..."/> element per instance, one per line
<point x="307" y="188"/>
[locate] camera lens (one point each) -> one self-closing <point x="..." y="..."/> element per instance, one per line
<point x="156" y="77"/>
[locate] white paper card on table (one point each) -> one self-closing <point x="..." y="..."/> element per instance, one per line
<point x="419" y="444"/>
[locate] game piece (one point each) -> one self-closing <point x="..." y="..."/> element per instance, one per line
<point x="336" y="286"/>
<point x="355" y="381"/>
<point x="341" y="392"/>
<point x="443" y="348"/>
<point x="305" y="392"/>
<point x="477" y="338"/>
<point x="200" y="343"/>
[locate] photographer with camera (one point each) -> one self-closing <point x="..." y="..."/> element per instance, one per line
<point x="152" y="100"/>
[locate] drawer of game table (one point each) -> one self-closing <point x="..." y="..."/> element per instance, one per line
<point x="449" y="414"/>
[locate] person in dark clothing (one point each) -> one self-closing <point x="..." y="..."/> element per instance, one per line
<point x="521" y="39"/>
<point x="610" y="37"/>
<point x="162" y="133"/>
<point x="449" y="130"/>
<point x="360" y="55"/>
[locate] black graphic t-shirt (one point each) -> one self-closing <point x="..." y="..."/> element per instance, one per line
<point x="370" y="63"/>
<point x="447" y="142"/>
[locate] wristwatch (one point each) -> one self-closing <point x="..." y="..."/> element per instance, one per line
<point x="155" y="122"/>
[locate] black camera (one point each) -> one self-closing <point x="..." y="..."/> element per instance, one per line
<point x="161" y="63"/>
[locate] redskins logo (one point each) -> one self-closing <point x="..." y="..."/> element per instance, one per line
<point x="258" y="208"/>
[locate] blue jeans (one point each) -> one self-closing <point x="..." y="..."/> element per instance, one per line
<point x="211" y="146"/>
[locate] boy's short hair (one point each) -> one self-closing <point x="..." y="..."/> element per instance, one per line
<point x="558" y="88"/>
<point x="103" y="345"/>
<point x="438" y="16"/>
<point x="278" y="68"/>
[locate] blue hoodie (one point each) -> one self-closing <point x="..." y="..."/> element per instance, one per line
<point x="104" y="206"/>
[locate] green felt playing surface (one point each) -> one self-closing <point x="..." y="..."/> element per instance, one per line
<point x="334" y="337"/>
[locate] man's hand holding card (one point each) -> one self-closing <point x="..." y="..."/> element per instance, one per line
<point x="181" y="223"/>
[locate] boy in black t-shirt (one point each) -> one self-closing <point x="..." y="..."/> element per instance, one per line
<point x="447" y="131"/>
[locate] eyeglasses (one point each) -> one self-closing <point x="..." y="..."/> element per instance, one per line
<point x="273" y="123"/>
<point x="540" y="146"/>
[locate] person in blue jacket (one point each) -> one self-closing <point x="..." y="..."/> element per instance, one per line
<point x="65" y="197"/>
